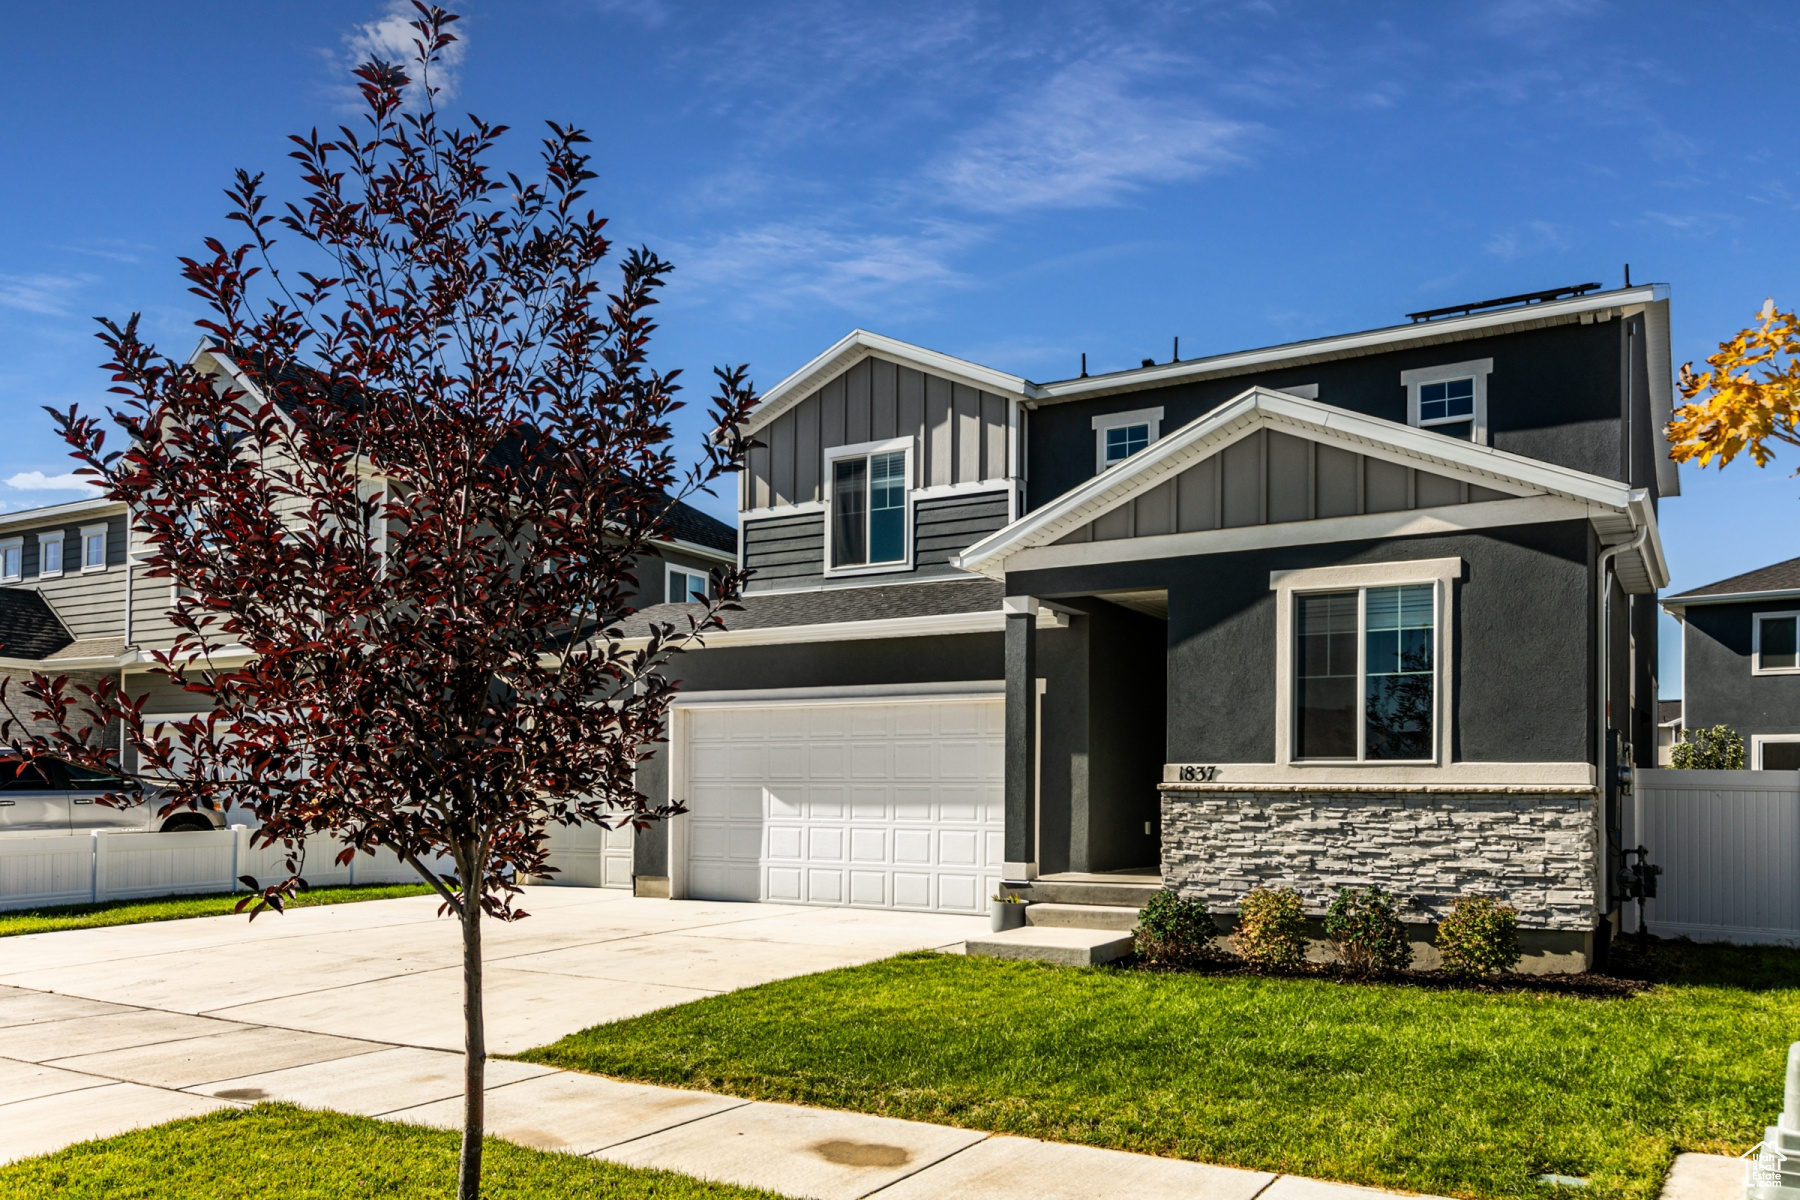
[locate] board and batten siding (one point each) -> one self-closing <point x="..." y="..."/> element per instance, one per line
<point x="1269" y="478"/>
<point x="960" y="432"/>
<point x="92" y="603"/>
<point x="789" y="551"/>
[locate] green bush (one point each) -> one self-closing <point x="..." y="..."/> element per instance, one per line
<point x="1717" y="749"/>
<point x="1175" y="932"/>
<point x="1480" y="937"/>
<point x="1271" y="928"/>
<point x="1368" y="933"/>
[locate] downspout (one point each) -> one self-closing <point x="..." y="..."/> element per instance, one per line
<point x="1603" y="689"/>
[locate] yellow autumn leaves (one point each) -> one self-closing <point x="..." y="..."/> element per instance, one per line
<point x="1752" y="396"/>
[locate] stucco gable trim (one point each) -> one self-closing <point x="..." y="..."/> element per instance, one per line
<point x="1264" y="408"/>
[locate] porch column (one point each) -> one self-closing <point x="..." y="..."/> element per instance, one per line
<point x="1021" y="737"/>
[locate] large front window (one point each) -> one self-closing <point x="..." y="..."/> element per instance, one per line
<point x="868" y="510"/>
<point x="1365" y="672"/>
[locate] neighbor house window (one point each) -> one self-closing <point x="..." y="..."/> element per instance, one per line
<point x="1776" y="752"/>
<point x="1775" y="648"/>
<point x="1450" y="400"/>
<point x="93" y="548"/>
<point x="1118" y="436"/>
<point x="868" y="513"/>
<point x="686" y="585"/>
<point x="1365" y="674"/>
<point x="50" y="552"/>
<point x="12" y="560"/>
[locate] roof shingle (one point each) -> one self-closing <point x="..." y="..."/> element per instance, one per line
<point x="29" y="627"/>
<point x="1779" y="577"/>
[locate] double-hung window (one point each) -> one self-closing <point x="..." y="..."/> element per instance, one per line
<point x="1366" y="674"/>
<point x="93" y="548"/>
<point x="1776" y="646"/>
<point x="50" y="554"/>
<point x="868" y="508"/>
<point x="12" y="560"/>
<point x="686" y="585"/>
<point x="1450" y="400"/>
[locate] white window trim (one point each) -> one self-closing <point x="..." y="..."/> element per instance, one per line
<point x="669" y="572"/>
<point x="1138" y="416"/>
<point x="1440" y="572"/>
<point x="1756" y="624"/>
<point x="88" y="531"/>
<point x="1759" y="740"/>
<point x="62" y="565"/>
<point x="12" y="543"/>
<point x="864" y="450"/>
<point x="1477" y="369"/>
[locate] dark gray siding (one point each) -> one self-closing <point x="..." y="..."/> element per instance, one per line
<point x="1556" y="394"/>
<point x="1717" y="686"/>
<point x="785" y="551"/>
<point x="949" y="526"/>
<point x="1523" y="648"/>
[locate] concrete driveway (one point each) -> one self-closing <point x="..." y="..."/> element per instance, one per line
<point x="389" y="970"/>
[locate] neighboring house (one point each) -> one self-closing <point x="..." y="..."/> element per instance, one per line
<point x="1740" y="661"/>
<point x="1367" y="609"/>
<point x="1668" y="729"/>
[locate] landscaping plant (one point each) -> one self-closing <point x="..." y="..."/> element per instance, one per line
<point x="1176" y="932"/>
<point x="1720" y="748"/>
<point x="1479" y="937"/>
<point x="1368" y="933"/>
<point x="404" y="486"/>
<point x="1271" y="928"/>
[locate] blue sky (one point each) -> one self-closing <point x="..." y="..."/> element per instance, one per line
<point x="1013" y="183"/>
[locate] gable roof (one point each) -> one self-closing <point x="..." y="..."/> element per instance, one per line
<point x="29" y="627"/>
<point x="688" y="524"/>
<point x="1616" y="510"/>
<point x="1782" y="578"/>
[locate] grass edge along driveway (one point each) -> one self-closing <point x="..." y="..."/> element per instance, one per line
<point x="280" y="1152"/>
<point x="1453" y="1092"/>
<point x="176" y="908"/>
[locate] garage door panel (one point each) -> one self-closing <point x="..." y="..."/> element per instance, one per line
<point x="891" y="804"/>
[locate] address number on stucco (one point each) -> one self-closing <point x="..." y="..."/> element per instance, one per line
<point x="1198" y="774"/>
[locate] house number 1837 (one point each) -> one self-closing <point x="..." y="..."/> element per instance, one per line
<point x="1199" y="774"/>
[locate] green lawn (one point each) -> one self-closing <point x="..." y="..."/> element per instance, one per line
<point x="174" y="908"/>
<point x="1454" y="1092"/>
<point x="276" y="1152"/>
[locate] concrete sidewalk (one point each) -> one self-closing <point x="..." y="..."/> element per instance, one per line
<point x="353" y="1008"/>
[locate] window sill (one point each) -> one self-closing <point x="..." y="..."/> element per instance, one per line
<point x="1775" y="670"/>
<point x="877" y="569"/>
<point x="93" y="570"/>
<point x="49" y="574"/>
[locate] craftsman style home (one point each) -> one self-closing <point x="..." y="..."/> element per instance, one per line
<point x="1740" y="661"/>
<point x="1369" y="609"/>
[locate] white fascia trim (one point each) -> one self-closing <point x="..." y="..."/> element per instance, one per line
<point x="1756" y="624"/>
<point x="871" y="693"/>
<point x="1324" y="774"/>
<point x="1674" y="605"/>
<point x="699" y="551"/>
<point x="859" y="344"/>
<point x="1447" y="329"/>
<point x="938" y="625"/>
<point x="51" y="665"/>
<point x="1415" y="522"/>
<point x="52" y="512"/>
<point x="1259" y="407"/>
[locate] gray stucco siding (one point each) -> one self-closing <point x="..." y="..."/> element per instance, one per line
<point x="1717" y="685"/>
<point x="1521" y="640"/>
<point x="1556" y="393"/>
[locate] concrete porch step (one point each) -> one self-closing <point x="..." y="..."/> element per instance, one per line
<point x="1132" y="892"/>
<point x="1054" y="944"/>
<point x="1082" y="916"/>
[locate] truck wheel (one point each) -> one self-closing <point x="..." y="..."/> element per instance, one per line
<point x="187" y="823"/>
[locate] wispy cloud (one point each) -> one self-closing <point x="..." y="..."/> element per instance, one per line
<point x="111" y="249"/>
<point x="1088" y="136"/>
<point x="391" y="38"/>
<point x="37" y="481"/>
<point x="1534" y="237"/>
<point x="786" y="262"/>
<point x="44" y="294"/>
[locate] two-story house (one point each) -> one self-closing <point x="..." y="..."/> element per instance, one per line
<point x="1376" y="608"/>
<point x="1740" y="661"/>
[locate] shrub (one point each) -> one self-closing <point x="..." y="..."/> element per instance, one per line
<point x="1717" y="749"/>
<point x="1271" y="928"/>
<point x="1368" y="933"/>
<point x="1175" y="932"/>
<point x="1479" y="937"/>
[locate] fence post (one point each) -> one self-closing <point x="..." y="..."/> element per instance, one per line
<point x="99" y="841"/>
<point x="352" y="880"/>
<point x="240" y="838"/>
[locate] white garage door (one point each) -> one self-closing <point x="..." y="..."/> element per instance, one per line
<point x="895" y="804"/>
<point x="590" y="856"/>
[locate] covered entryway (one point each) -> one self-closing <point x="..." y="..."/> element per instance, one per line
<point x="873" y="802"/>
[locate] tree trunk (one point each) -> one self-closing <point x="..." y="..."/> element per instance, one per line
<point x="468" y="1181"/>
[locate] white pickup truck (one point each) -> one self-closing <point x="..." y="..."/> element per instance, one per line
<point x="51" y="796"/>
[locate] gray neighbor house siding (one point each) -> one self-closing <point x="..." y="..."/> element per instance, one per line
<point x="1718" y="686"/>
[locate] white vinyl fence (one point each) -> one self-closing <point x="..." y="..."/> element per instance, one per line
<point x="1729" y="846"/>
<point x="81" y="868"/>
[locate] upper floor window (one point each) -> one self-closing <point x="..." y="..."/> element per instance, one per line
<point x="1775" y="646"/>
<point x="686" y="585"/>
<point x="12" y="560"/>
<point x="50" y="552"/>
<point x="1118" y="436"/>
<point x="93" y="548"/>
<point x="867" y="504"/>
<point x="1451" y="399"/>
